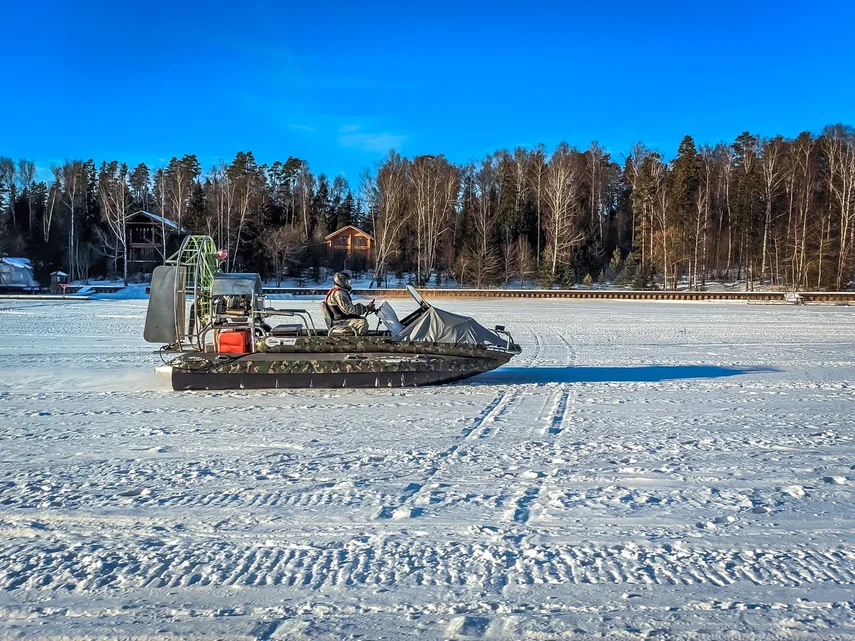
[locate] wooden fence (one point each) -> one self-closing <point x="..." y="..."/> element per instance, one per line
<point x="583" y="294"/>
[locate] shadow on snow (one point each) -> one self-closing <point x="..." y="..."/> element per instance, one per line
<point x="633" y="374"/>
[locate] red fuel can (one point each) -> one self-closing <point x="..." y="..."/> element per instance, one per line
<point x="233" y="341"/>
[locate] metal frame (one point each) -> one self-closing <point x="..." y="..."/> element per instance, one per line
<point x="196" y="262"/>
<point x="508" y="338"/>
<point x="249" y="322"/>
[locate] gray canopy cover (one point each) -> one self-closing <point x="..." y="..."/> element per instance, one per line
<point x="438" y="326"/>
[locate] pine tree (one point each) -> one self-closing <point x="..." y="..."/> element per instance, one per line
<point x="322" y="207"/>
<point x="568" y="277"/>
<point x="347" y="211"/>
<point x="545" y="279"/>
<point x="615" y="265"/>
<point x="628" y="271"/>
<point x="140" y="181"/>
<point x="643" y="277"/>
<point x="685" y="179"/>
<point x="747" y="202"/>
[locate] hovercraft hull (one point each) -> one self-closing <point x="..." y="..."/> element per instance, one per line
<point x="384" y="366"/>
<point x="184" y="381"/>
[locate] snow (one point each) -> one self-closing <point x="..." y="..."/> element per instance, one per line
<point x="642" y="470"/>
<point x="131" y="292"/>
<point x="18" y="263"/>
<point x="159" y="219"/>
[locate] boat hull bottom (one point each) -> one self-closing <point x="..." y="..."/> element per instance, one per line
<point x="185" y="381"/>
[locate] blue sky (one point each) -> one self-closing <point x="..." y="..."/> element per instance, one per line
<point x="340" y="84"/>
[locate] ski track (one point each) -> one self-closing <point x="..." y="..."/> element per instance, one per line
<point x="523" y="504"/>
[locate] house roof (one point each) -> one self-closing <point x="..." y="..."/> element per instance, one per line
<point x="159" y="219"/>
<point x="338" y="232"/>
<point x="18" y="263"/>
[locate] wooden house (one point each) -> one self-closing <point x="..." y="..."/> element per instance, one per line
<point x="148" y="238"/>
<point x="349" y="245"/>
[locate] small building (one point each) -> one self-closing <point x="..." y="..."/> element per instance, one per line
<point x="58" y="280"/>
<point x="349" y="246"/>
<point x="148" y="237"/>
<point x="16" y="276"/>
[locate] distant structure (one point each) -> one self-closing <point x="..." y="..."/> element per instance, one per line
<point x="58" y="280"/>
<point x="349" y="247"/>
<point x="16" y="276"/>
<point x="146" y="241"/>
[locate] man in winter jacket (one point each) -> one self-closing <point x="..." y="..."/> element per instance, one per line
<point x="345" y="312"/>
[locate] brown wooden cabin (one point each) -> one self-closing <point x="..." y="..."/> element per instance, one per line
<point x="145" y="241"/>
<point x="348" y="246"/>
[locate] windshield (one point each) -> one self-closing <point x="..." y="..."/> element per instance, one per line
<point x="417" y="297"/>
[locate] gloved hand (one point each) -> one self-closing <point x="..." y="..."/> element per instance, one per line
<point x="371" y="307"/>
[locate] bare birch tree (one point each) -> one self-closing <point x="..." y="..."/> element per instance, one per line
<point x="161" y="199"/>
<point x="537" y="169"/>
<point x="244" y="175"/>
<point x="839" y="143"/>
<point x="560" y="196"/>
<point x="773" y="171"/>
<point x="596" y="170"/>
<point x="115" y="200"/>
<point x="525" y="260"/>
<point x="7" y="184"/>
<point x="435" y="184"/>
<point x="484" y="261"/>
<point x="180" y="177"/>
<point x="73" y="180"/>
<point x="657" y="173"/>
<point x="282" y="245"/>
<point x="390" y="212"/>
<point x="53" y="194"/>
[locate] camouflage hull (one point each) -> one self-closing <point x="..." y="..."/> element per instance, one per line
<point x="182" y="381"/>
<point x="325" y="362"/>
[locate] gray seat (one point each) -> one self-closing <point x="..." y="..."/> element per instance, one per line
<point x="286" y="330"/>
<point x="333" y="330"/>
<point x="326" y="312"/>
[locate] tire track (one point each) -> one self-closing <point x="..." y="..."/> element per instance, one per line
<point x="521" y="507"/>
<point x="570" y="350"/>
<point x="485" y="415"/>
<point x="275" y="493"/>
<point x="54" y="564"/>
<point x="538" y="346"/>
<point x="481" y="427"/>
<point x="484" y="425"/>
<point x="563" y="406"/>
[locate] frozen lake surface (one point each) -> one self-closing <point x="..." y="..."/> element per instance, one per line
<point x="642" y="470"/>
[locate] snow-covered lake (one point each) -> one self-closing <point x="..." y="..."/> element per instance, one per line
<point x="642" y="470"/>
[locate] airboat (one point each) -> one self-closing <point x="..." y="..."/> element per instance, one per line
<point x="219" y="331"/>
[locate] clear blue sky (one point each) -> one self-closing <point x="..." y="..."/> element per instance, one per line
<point x="340" y="84"/>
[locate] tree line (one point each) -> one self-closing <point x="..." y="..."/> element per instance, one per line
<point x="776" y="211"/>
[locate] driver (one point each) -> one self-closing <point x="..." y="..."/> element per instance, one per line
<point x="345" y="312"/>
